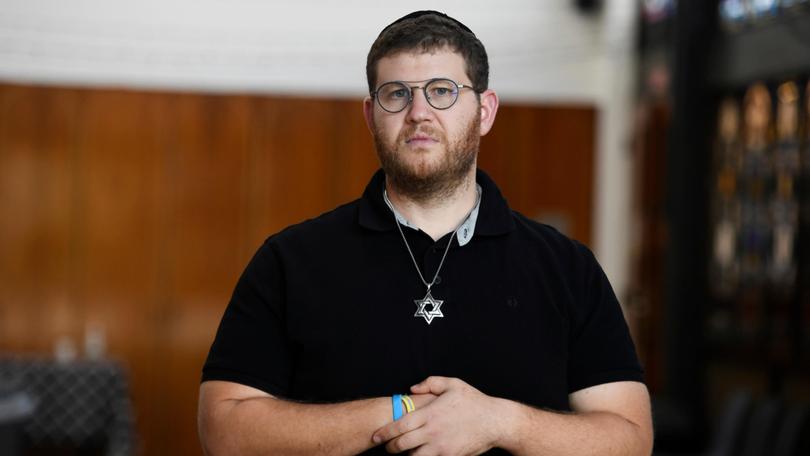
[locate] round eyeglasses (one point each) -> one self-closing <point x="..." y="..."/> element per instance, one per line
<point x="440" y="93"/>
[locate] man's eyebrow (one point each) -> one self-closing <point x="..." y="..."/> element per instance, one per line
<point x="421" y="80"/>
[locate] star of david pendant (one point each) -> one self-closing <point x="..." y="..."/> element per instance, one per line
<point x="435" y="308"/>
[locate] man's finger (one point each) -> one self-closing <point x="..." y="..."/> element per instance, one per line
<point x="407" y="423"/>
<point x="434" y="384"/>
<point x="407" y="441"/>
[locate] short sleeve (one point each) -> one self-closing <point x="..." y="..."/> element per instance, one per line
<point x="600" y="347"/>
<point x="250" y="346"/>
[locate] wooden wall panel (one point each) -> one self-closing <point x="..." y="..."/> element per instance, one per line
<point x="542" y="159"/>
<point x="53" y="249"/>
<point x="36" y="219"/>
<point x="135" y="212"/>
<point x="19" y="221"/>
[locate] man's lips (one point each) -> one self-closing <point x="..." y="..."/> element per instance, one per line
<point x="420" y="139"/>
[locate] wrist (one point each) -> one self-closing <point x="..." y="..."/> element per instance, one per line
<point x="508" y="418"/>
<point x="402" y="404"/>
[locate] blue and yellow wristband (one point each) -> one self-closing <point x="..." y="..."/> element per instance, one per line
<point x="402" y="404"/>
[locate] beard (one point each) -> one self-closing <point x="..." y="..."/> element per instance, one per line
<point x="420" y="179"/>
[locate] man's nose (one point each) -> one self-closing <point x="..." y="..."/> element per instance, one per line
<point x="419" y="109"/>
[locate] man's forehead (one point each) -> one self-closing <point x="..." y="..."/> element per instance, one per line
<point x="444" y="56"/>
<point x="421" y="67"/>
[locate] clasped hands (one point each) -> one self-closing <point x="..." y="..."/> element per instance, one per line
<point x="451" y="418"/>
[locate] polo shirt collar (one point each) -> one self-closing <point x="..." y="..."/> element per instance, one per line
<point x="464" y="232"/>
<point x="494" y="215"/>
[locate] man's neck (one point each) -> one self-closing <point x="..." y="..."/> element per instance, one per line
<point x="437" y="216"/>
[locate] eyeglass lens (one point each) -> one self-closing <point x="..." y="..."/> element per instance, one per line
<point x="395" y="96"/>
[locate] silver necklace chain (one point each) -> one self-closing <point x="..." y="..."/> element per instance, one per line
<point x="416" y="265"/>
<point x="446" y="249"/>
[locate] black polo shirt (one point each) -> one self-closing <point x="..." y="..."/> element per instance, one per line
<point x="325" y="310"/>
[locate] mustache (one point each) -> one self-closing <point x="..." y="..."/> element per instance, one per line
<point x="430" y="132"/>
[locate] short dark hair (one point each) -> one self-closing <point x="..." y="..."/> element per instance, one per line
<point x="426" y="31"/>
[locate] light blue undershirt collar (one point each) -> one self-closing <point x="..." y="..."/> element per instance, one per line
<point x="465" y="231"/>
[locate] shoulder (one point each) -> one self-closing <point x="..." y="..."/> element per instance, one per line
<point x="565" y="264"/>
<point x="329" y="224"/>
<point x="315" y="239"/>
<point x="305" y="242"/>
<point x="551" y="243"/>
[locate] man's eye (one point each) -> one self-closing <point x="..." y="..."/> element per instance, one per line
<point x="441" y="92"/>
<point x="401" y="93"/>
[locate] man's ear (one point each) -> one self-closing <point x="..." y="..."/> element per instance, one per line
<point x="489" y="107"/>
<point x="368" y="113"/>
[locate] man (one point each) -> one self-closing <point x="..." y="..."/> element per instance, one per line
<point x="509" y="332"/>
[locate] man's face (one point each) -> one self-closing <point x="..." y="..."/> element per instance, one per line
<point x="423" y="150"/>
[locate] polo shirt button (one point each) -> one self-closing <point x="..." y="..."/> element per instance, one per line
<point x="438" y="280"/>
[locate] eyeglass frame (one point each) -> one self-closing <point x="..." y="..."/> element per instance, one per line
<point x="411" y="88"/>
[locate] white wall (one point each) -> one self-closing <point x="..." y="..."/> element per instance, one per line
<point x="539" y="51"/>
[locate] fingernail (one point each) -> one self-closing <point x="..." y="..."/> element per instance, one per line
<point x="376" y="439"/>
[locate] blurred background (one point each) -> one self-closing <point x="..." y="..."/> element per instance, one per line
<point x="147" y="149"/>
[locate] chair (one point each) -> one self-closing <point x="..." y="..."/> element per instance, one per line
<point x="83" y="405"/>
<point x="16" y="409"/>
